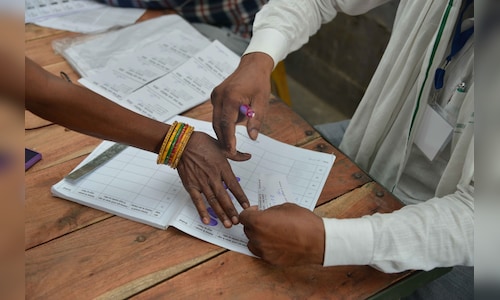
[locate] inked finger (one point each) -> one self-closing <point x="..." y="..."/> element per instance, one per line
<point x="214" y="204"/>
<point x="233" y="185"/>
<point x="226" y="202"/>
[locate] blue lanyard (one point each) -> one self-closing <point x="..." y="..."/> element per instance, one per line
<point x="459" y="40"/>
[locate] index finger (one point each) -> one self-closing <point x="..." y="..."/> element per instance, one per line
<point x="233" y="185"/>
<point x="224" y="119"/>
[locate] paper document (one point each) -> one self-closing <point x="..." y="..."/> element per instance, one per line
<point x="186" y="86"/>
<point x="91" y="54"/>
<point x="273" y="190"/>
<point x="85" y="16"/>
<point x="122" y="77"/>
<point x="37" y="10"/>
<point x="133" y="186"/>
<point x="162" y="75"/>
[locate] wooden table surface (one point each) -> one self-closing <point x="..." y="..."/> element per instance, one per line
<point x="76" y="252"/>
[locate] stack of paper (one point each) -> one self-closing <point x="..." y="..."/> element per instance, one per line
<point x="85" y="16"/>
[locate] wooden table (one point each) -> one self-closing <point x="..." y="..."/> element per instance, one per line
<point x="76" y="252"/>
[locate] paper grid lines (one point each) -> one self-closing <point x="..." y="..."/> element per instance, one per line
<point x="133" y="186"/>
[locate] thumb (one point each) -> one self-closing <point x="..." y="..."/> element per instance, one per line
<point x="246" y="215"/>
<point x="238" y="156"/>
<point x="253" y="127"/>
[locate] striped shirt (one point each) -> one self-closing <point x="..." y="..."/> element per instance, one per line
<point x="237" y="15"/>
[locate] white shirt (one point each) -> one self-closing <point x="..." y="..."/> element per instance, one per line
<point x="437" y="232"/>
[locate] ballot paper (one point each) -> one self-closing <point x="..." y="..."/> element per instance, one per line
<point x="182" y="88"/>
<point x="90" y="54"/>
<point x="273" y="190"/>
<point x="158" y="75"/>
<point x="84" y="16"/>
<point x="133" y="186"/>
<point x="38" y="10"/>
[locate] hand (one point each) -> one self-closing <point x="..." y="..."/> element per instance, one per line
<point x="203" y="168"/>
<point x="249" y="84"/>
<point x="285" y="234"/>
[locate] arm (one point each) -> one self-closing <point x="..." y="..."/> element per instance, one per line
<point x="435" y="233"/>
<point x="280" y="27"/>
<point x="285" y="234"/>
<point x="79" y="109"/>
<point x="202" y="167"/>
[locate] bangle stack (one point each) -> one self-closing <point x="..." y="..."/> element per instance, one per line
<point x="174" y="143"/>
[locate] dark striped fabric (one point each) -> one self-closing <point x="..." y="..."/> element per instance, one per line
<point x="238" y="15"/>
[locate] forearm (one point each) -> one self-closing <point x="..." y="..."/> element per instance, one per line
<point x="283" y="26"/>
<point x="82" y="110"/>
<point x="436" y="233"/>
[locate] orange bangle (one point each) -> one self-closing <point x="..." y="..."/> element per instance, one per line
<point x="173" y="141"/>
<point x="175" y="147"/>
<point x="182" y="147"/>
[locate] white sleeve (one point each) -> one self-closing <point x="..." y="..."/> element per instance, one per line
<point x="436" y="233"/>
<point x="283" y="26"/>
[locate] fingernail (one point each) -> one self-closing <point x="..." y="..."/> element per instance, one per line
<point x="227" y="223"/>
<point x="235" y="220"/>
<point x="205" y="220"/>
<point x="253" y="134"/>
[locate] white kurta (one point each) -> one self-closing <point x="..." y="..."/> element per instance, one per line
<point x="439" y="230"/>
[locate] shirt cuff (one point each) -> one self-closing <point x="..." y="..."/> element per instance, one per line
<point x="348" y="242"/>
<point x="269" y="41"/>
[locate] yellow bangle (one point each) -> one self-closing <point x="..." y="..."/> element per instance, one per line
<point x="182" y="147"/>
<point x="164" y="144"/>
<point x="173" y="141"/>
<point x="169" y="142"/>
<point x="169" y="159"/>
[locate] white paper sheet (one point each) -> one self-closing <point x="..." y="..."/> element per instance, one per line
<point x="122" y="77"/>
<point x="38" y="10"/>
<point x="133" y="186"/>
<point x="94" y="20"/>
<point x="273" y="190"/>
<point x="185" y="87"/>
<point x="90" y="54"/>
<point x="85" y="16"/>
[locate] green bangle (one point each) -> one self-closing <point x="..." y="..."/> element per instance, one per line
<point x="174" y="141"/>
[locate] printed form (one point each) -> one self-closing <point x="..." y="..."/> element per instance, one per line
<point x="133" y="186"/>
<point x="167" y="77"/>
<point x="85" y="16"/>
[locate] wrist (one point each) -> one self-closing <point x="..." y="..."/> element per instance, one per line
<point x="174" y="144"/>
<point x="259" y="61"/>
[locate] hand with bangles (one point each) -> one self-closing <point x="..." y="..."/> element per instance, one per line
<point x="200" y="161"/>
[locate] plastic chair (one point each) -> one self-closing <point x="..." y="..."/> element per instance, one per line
<point x="278" y="78"/>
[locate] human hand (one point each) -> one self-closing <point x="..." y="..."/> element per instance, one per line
<point x="285" y="234"/>
<point x="203" y="168"/>
<point x="250" y="84"/>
